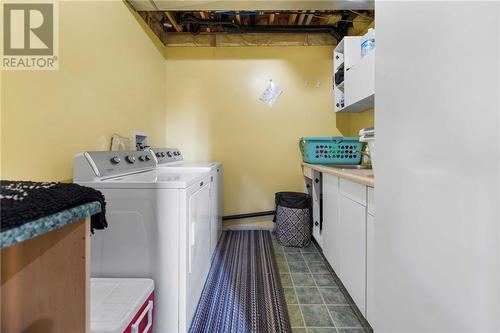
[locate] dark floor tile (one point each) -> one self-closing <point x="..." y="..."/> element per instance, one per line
<point x="277" y="245"/>
<point x="286" y="280"/>
<point x="290" y="296"/>
<point x="333" y="296"/>
<point x="316" y="316"/>
<point x="308" y="295"/>
<point x="295" y="316"/>
<point x="344" y="316"/>
<point x="281" y="259"/>
<point x="318" y="267"/>
<point x="282" y="266"/>
<point x="313" y="256"/>
<point x="351" y="330"/>
<point x="325" y="280"/>
<point x="321" y="330"/>
<point x="289" y="249"/>
<point x="298" y="267"/>
<point x="294" y="256"/>
<point x="279" y="253"/>
<point x="299" y="330"/>
<point x="303" y="279"/>
<point x="309" y="248"/>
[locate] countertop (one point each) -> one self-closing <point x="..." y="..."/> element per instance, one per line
<point x="360" y="176"/>
<point x="48" y="223"/>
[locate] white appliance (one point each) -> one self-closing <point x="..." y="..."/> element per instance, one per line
<point x="121" y="305"/>
<point x="159" y="228"/>
<point x="171" y="159"/>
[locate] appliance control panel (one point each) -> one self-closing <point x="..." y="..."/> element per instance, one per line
<point x="166" y="155"/>
<point x="110" y="163"/>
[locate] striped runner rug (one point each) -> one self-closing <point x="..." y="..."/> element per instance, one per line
<point x="243" y="291"/>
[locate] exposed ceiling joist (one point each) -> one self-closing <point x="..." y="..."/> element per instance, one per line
<point x="210" y="5"/>
<point x="301" y="18"/>
<point x="173" y="21"/>
<point x="309" y="19"/>
<point x="271" y="18"/>
<point x="333" y="23"/>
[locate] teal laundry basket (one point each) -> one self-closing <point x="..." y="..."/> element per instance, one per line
<point x="330" y="150"/>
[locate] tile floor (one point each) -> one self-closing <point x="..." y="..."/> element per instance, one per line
<point x="315" y="302"/>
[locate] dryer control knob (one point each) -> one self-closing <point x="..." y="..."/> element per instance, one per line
<point x="115" y="160"/>
<point x="158" y="154"/>
<point x="148" y="157"/>
<point x="169" y="154"/>
<point x="162" y="154"/>
<point x="130" y="158"/>
<point x="142" y="157"/>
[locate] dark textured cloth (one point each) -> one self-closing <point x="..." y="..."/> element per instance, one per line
<point x="24" y="201"/>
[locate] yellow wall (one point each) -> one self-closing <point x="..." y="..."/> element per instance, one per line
<point x="213" y="113"/>
<point x="113" y="79"/>
<point x="110" y="80"/>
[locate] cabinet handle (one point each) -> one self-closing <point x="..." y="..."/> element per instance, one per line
<point x="308" y="186"/>
<point x="316" y="180"/>
<point x="316" y="223"/>
<point x="148" y="310"/>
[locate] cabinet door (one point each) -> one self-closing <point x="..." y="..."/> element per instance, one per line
<point x="360" y="80"/>
<point x="198" y="247"/>
<point x="331" y="234"/>
<point x="352" y="221"/>
<point x="370" y="238"/>
<point x="214" y="212"/>
<point x="317" y="209"/>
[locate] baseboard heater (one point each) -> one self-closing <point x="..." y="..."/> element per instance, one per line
<point x="248" y="215"/>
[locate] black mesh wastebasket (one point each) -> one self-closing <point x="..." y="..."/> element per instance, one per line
<point x="293" y="218"/>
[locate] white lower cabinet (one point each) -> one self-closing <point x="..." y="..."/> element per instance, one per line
<point x="352" y="222"/>
<point x="347" y="226"/>
<point x="370" y="253"/>
<point x="370" y="225"/>
<point x="331" y="234"/>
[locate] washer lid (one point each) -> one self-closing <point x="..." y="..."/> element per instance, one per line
<point x="158" y="178"/>
<point x="183" y="166"/>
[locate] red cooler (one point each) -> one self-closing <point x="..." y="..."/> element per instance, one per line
<point x="121" y="305"/>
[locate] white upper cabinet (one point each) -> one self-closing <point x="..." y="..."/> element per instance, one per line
<point x="353" y="76"/>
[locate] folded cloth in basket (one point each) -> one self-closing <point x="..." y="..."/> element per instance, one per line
<point x="367" y="132"/>
<point x="25" y="201"/>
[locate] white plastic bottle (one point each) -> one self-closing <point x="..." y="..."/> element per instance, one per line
<point x="368" y="42"/>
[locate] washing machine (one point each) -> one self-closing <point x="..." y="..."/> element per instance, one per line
<point x="158" y="228"/>
<point x="172" y="159"/>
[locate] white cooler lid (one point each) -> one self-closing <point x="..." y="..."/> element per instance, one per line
<point x="115" y="301"/>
